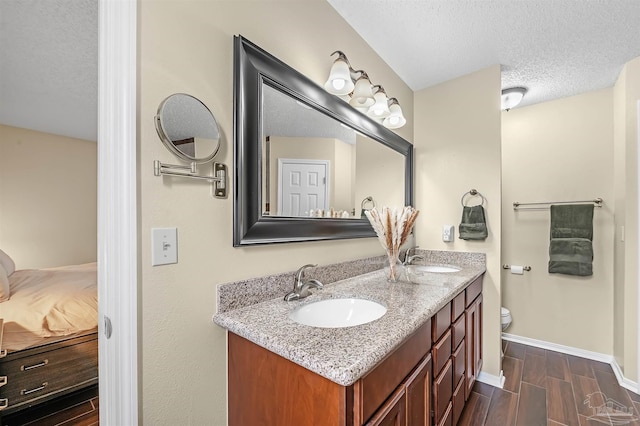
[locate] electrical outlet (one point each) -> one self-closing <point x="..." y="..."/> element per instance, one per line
<point x="448" y="232"/>
<point x="164" y="246"/>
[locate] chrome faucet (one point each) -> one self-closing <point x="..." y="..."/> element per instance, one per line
<point x="301" y="287"/>
<point x="408" y="258"/>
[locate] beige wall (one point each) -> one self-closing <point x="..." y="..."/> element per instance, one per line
<point x="626" y="96"/>
<point x="344" y="173"/>
<point x="457" y="142"/>
<point x="558" y="150"/>
<point x="48" y="204"/>
<point x="379" y="174"/>
<point x="186" y="46"/>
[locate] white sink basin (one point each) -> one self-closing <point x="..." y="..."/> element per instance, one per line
<point x="434" y="268"/>
<point x="338" y="313"/>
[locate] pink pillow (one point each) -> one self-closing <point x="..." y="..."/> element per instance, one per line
<point x="4" y="285"/>
<point x="7" y="262"/>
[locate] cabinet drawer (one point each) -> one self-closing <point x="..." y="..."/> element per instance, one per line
<point x="441" y="352"/>
<point x="457" y="306"/>
<point x="373" y="389"/>
<point x="442" y="392"/>
<point x="458" y="401"/>
<point x="36" y="376"/>
<point x="440" y="322"/>
<point x="473" y="290"/>
<point x="459" y="363"/>
<point x="458" y="331"/>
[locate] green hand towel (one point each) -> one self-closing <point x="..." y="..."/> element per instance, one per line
<point x="572" y="221"/>
<point x="571" y="256"/>
<point x="473" y="225"/>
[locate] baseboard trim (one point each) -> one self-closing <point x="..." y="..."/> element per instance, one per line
<point x="623" y="381"/>
<point x="490" y="379"/>
<point x="595" y="356"/>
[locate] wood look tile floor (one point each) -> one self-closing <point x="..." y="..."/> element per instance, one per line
<point x="548" y="388"/>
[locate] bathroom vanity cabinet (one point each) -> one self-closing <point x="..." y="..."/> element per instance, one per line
<point x="457" y="353"/>
<point x="426" y="380"/>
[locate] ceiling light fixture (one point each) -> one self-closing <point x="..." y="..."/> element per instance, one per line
<point x="512" y="97"/>
<point x="355" y="88"/>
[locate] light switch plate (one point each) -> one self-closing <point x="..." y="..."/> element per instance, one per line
<point x="448" y="232"/>
<point x="164" y="246"/>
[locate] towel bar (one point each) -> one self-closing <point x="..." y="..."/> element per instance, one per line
<point x="597" y="203"/>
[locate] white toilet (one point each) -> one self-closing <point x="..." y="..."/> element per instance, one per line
<point x="505" y="318"/>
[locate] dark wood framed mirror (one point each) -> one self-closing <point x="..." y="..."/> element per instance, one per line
<point x="259" y="78"/>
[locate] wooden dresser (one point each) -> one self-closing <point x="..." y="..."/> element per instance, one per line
<point x="32" y="376"/>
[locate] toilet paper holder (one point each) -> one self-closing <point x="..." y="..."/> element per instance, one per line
<point x="526" y="268"/>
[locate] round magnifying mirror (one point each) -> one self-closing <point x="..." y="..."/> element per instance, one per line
<point x="188" y="128"/>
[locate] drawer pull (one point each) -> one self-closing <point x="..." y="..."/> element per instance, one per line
<point x="4" y="403"/>
<point x="30" y="391"/>
<point x="31" y="367"/>
<point x="3" y="381"/>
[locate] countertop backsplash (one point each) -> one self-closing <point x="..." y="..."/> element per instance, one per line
<point x="238" y="294"/>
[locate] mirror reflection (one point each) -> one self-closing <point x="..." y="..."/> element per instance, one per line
<point x="357" y="161"/>
<point x="314" y="166"/>
<point x="188" y="128"/>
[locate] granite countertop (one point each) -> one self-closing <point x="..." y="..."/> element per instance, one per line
<point x="343" y="355"/>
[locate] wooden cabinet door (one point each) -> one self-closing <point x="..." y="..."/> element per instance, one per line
<point x="418" y="394"/>
<point x="478" y="353"/>
<point x="393" y="412"/>
<point x="473" y="340"/>
<point x="478" y="330"/>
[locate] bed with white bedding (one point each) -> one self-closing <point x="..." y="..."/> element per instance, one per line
<point x="49" y="304"/>
<point x="49" y="339"/>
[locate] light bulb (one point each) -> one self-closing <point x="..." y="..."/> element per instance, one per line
<point x="338" y="83"/>
<point x="380" y="109"/>
<point x="396" y="118"/>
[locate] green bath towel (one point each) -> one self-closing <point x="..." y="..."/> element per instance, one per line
<point x="473" y="225"/>
<point x="571" y="256"/>
<point x="571" y="236"/>
<point x="572" y="221"/>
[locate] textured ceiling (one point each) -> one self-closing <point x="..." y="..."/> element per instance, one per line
<point x="555" y="48"/>
<point x="49" y="66"/>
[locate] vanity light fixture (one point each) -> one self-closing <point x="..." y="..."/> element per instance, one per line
<point x="396" y="119"/>
<point x="380" y="109"/>
<point x="355" y="88"/>
<point x="512" y="97"/>
<point x="362" y="97"/>
<point x="340" y="81"/>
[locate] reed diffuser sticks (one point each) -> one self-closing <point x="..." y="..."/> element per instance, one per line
<point x="393" y="226"/>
